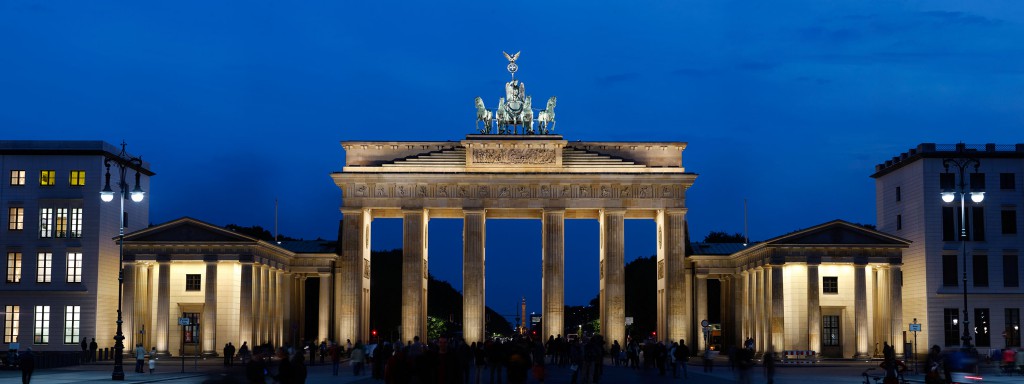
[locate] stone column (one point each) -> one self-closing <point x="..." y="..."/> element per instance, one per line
<point x="747" y="304"/>
<point x="257" y="303"/>
<point x="813" y="306"/>
<point x="209" y="320"/>
<point x="860" y="310"/>
<point x="128" y="307"/>
<point x="553" y="275"/>
<point x="674" y="305"/>
<point x="148" y="340"/>
<point x="613" y="275"/>
<point x="474" y="313"/>
<point x="414" y="274"/>
<point x="352" y="277"/>
<point x="778" y="310"/>
<point x="245" y="302"/>
<point x="287" y="307"/>
<point x="265" y="309"/>
<point x="301" y="281"/>
<point x="271" y="333"/>
<point x="325" y="307"/>
<point x="282" y="305"/>
<point x="701" y="298"/>
<point x="896" y="302"/>
<point x="758" y="316"/>
<point x="163" y="308"/>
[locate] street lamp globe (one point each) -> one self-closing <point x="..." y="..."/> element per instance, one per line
<point x="107" y="196"/>
<point x="977" y="197"/>
<point x="948" y="197"/>
<point x="137" y="195"/>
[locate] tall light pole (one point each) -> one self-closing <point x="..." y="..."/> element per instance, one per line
<point x="124" y="162"/>
<point x="948" y="196"/>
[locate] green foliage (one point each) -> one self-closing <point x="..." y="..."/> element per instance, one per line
<point x="596" y="325"/>
<point x="723" y="237"/>
<point x="436" y="327"/>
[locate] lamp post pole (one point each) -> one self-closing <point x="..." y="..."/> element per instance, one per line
<point x="962" y="190"/>
<point x="123" y="162"/>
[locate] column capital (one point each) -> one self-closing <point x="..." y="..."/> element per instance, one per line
<point x="554" y="210"/>
<point x="614" y="211"/>
<point x="474" y="211"/>
<point x="675" y="211"/>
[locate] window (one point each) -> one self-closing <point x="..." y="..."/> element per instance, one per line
<point x="947" y="182"/>
<point x="1011" y="271"/>
<point x="74" y="267"/>
<point x="62" y="222"/>
<point x="1009" y="219"/>
<point x="18" y="177"/>
<point x="16" y="220"/>
<point x="982" y="328"/>
<point x="979" y="223"/>
<point x="77" y="178"/>
<point x="192" y="282"/>
<point x="44" y="268"/>
<point x="899" y="222"/>
<point x="76" y="222"/>
<point x="47" y="178"/>
<point x="951" y="326"/>
<point x="13" y="267"/>
<point x="45" y="222"/>
<point x="1012" y="316"/>
<point x="41" y="327"/>
<point x="948" y="224"/>
<point x="830" y="284"/>
<point x="898" y="195"/>
<point x="980" y="270"/>
<point x="830" y="330"/>
<point x="72" y="324"/>
<point x="12" y="322"/>
<point x="977" y="182"/>
<point x="949" y="269"/>
<point x="192" y="329"/>
<point x="1006" y="181"/>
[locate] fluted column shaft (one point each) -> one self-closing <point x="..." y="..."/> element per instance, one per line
<point x="352" y="277"/>
<point x="325" y="307"/>
<point x="282" y="304"/>
<point x="288" y="305"/>
<point x="778" y="313"/>
<point x="163" y="307"/>
<point x="701" y="298"/>
<point x="414" y="274"/>
<point x="813" y="308"/>
<point x="265" y="309"/>
<point x="613" y="275"/>
<point x="474" y="313"/>
<point x="673" y="303"/>
<point x="758" y="315"/>
<point x="209" y="321"/>
<point x="860" y="310"/>
<point x="553" y="275"/>
<point x="128" y="307"/>
<point x="245" y="305"/>
<point x="271" y="333"/>
<point x="257" y="303"/>
<point x="896" y="302"/>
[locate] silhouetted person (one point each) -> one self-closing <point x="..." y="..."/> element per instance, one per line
<point x="92" y="349"/>
<point x="682" y="355"/>
<point x="28" y="364"/>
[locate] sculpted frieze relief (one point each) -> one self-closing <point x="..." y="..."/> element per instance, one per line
<point x="517" y="191"/>
<point x="513" y="156"/>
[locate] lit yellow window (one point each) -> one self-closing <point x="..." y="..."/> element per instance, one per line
<point x="77" y="178"/>
<point x="47" y="178"/>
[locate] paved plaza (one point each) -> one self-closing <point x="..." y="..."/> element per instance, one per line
<point x="211" y="371"/>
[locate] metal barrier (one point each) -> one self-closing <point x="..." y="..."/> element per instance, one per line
<point x="799" y="357"/>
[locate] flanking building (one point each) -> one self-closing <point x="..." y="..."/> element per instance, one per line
<point x="59" y="263"/>
<point x="908" y="190"/>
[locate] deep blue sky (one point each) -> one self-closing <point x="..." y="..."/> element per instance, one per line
<point x="788" y="104"/>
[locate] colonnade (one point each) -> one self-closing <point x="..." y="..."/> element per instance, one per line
<point x="353" y="272"/>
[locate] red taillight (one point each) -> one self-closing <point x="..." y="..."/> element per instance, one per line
<point x="975" y="378"/>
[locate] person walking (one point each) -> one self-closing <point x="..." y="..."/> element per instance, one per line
<point x="92" y="350"/>
<point x="85" y="350"/>
<point x="335" y="354"/>
<point x="614" y="352"/>
<point x="140" y="358"/>
<point x="932" y="366"/>
<point x="152" y="361"/>
<point x="358" y="356"/>
<point x="243" y="352"/>
<point x="28" y="364"/>
<point x="682" y="356"/>
<point x="769" y="366"/>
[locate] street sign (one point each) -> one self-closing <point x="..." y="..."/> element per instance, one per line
<point x="184" y="321"/>
<point x="915" y="327"/>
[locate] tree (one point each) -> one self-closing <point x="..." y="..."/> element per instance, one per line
<point x="436" y="327"/>
<point x="723" y="237"/>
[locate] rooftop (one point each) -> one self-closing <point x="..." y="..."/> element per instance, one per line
<point x="932" y="150"/>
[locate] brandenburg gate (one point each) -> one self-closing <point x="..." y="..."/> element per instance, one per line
<point x="532" y="174"/>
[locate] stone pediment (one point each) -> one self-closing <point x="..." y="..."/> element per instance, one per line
<point x="187" y="229"/>
<point x="838" y="232"/>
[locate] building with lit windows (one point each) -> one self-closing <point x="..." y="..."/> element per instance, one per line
<point x="59" y="263"/>
<point x="909" y="205"/>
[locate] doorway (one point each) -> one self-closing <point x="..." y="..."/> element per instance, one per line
<point x="831" y="333"/>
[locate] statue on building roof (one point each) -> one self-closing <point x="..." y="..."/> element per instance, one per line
<point x="515" y="109"/>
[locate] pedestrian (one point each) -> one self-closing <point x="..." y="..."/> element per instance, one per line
<point x="140" y="358"/>
<point x="358" y="357"/>
<point x="745" y="361"/>
<point x="28" y="364"/>
<point x="682" y="355"/>
<point x="152" y="361"/>
<point x="230" y="355"/>
<point x="85" y="350"/>
<point x="92" y="349"/>
<point x="932" y="365"/>
<point x="243" y="352"/>
<point x="769" y="366"/>
<point x="614" y="352"/>
<point x="335" y="354"/>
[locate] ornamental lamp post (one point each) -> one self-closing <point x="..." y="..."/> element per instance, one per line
<point x="124" y="162"/>
<point x="949" y="195"/>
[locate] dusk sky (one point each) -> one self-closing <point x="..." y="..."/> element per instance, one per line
<point x="788" y="104"/>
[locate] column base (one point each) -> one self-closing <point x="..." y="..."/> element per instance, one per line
<point x="209" y="354"/>
<point x="866" y="356"/>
